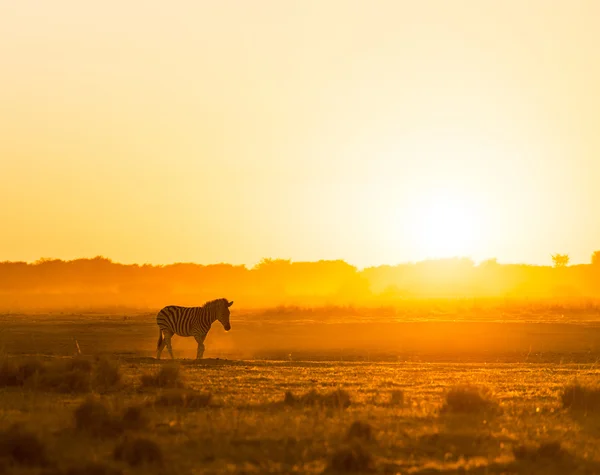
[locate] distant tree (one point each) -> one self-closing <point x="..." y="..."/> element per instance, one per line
<point x="560" y="260"/>
<point x="489" y="263"/>
<point x="596" y="258"/>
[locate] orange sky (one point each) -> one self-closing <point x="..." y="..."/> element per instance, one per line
<point x="375" y="132"/>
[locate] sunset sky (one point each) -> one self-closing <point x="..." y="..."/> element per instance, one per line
<point x="370" y="131"/>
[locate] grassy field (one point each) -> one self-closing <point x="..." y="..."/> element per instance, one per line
<point x="414" y="408"/>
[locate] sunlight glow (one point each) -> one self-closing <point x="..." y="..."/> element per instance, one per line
<point x="446" y="226"/>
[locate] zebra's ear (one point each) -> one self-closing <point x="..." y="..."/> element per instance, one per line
<point x="230" y="304"/>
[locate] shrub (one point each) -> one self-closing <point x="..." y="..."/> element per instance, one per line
<point x="167" y="377"/>
<point x="71" y="375"/>
<point x="581" y="398"/>
<point x="397" y="398"/>
<point x="360" y="430"/>
<point x="9" y="373"/>
<point x="22" y="447"/>
<point x="183" y="398"/>
<point x="468" y="399"/>
<point x="107" y="374"/>
<point x="351" y="459"/>
<point x="139" y="451"/>
<point x="93" y="417"/>
<point x="15" y="373"/>
<point x="545" y="451"/>
<point x="338" y="398"/>
<point x="77" y="363"/>
<point x="134" y="418"/>
<point x="91" y="468"/>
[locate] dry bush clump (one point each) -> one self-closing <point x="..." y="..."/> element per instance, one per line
<point x="107" y="374"/>
<point x="73" y="375"/>
<point x="90" y="468"/>
<point x="22" y="447"/>
<point x="397" y="398"/>
<point x="134" y="418"/>
<point x="353" y="458"/>
<point x="93" y="417"/>
<point x="183" y="398"/>
<point x="338" y="399"/>
<point x="167" y="377"/>
<point x="138" y="452"/>
<point x="469" y="399"/>
<point x="15" y="373"/>
<point x="360" y="430"/>
<point x="545" y="451"/>
<point x="69" y="375"/>
<point x="581" y="398"/>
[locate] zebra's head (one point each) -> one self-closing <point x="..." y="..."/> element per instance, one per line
<point x="223" y="315"/>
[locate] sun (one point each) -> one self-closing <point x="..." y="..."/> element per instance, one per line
<point x="445" y="225"/>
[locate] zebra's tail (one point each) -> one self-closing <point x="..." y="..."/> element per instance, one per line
<point x="160" y="338"/>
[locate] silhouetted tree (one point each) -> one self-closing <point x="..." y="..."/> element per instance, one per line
<point x="560" y="260"/>
<point x="596" y="258"/>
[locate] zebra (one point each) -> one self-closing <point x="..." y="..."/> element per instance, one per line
<point x="190" y="321"/>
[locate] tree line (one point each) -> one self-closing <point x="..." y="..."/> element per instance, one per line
<point x="100" y="282"/>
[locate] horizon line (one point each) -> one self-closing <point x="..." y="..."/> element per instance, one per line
<point x="292" y="261"/>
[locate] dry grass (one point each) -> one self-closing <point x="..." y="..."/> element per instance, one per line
<point x="545" y="451"/>
<point x="351" y="459"/>
<point x="14" y="372"/>
<point x="183" y="398"/>
<point x="581" y="398"/>
<point x="168" y="376"/>
<point x="65" y="375"/>
<point x="135" y="418"/>
<point x="360" y="430"/>
<point x="354" y="428"/>
<point x="397" y="398"/>
<point x="466" y="399"/>
<point x="338" y="399"/>
<point x="93" y="417"/>
<point x="107" y="375"/>
<point x="139" y="451"/>
<point x="22" y="447"/>
<point x="89" y="468"/>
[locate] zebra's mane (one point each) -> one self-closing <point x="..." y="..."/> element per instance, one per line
<point x="210" y="303"/>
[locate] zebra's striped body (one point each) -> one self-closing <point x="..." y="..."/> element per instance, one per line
<point x="190" y="321"/>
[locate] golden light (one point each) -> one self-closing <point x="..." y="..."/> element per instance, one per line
<point x="446" y="225"/>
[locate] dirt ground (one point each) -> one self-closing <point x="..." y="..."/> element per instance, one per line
<point x="311" y="397"/>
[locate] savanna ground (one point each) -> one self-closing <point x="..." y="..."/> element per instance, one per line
<point x="300" y="395"/>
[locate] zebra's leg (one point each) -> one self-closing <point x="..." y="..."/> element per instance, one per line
<point x="200" y="339"/>
<point x="168" y="336"/>
<point x="161" y="344"/>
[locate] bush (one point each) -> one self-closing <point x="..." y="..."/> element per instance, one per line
<point x="546" y="451"/>
<point x="22" y="447"/>
<point x="139" y="451"/>
<point x="581" y="398"/>
<point x="167" y="377"/>
<point x="397" y="398"/>
<point x="73" y="375"/>
<point x="338" y="398"/>
<point x="360" y="430"/>
<point x="107" y="374"/>
<point x="351" y="459"/>
<point x="90" y="468"/>
<point x="469" y="399"/>
<point x="134" y="418"/>
<point x="93" y="417"/>
<point x="9" y="373"/>
<point x="78" y="375"/>
<point x="183" y="398"/>
<point x="15" y="373"/>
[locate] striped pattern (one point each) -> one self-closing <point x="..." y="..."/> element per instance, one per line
<point x="190" y="321"/>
